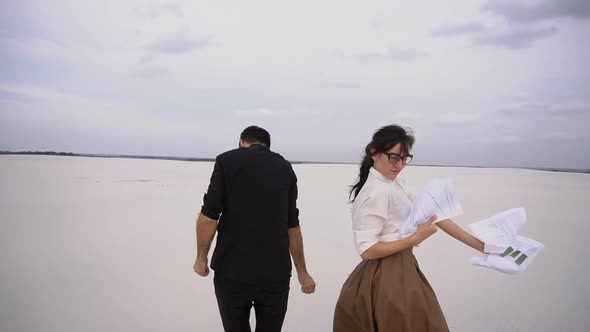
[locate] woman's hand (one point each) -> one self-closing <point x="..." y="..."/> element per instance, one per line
<point x="425" y="230"/>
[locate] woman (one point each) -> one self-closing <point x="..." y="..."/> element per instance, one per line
<point x="387" y="291"/>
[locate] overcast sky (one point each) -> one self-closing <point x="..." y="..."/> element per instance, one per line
<point x="494" y="83"/>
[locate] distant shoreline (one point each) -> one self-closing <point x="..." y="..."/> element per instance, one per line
<point x="94" y="155"/>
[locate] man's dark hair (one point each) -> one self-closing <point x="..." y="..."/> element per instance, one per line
<point x="255" y="134"/>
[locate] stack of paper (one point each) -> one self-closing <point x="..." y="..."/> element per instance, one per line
<point x="438" y="198"/>
<point x="506" y="251"/>
<point x="499" y="231"/>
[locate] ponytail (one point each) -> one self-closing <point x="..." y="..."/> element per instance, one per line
<point x="366" y="165"/>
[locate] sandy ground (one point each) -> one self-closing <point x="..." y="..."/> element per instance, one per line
<point x="90" y="244"/>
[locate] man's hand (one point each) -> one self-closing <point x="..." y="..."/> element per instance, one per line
<point x="201" y="266"/>
<point x="307" y="283"/>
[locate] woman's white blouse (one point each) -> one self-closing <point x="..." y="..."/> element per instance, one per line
<point x="378" y="211"/>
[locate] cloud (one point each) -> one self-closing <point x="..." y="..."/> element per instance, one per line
<point x="406" y="116"/>
<point x="148" y="68"/>
<point x="392" y="55"/>
<point x="522" y="106"/>
<point x="178" y="42"/>
<point x="259" y="112"/>
<point x="302" y="111"/>
<point x="146" y="60"/>
<point x="36" y="48"/>
<point x="43" y="94"/>
<point x="263" y="112"/>
<point x="340" y="85"/>
<point x="456" y="118"/>
<point x="158" y="10"/>
<point x="30" y="106"/>
<point x="199" y="90"/>
<point x="502" y="139"/>
<point x="524" y="22"/>
<point x="436" y="119"/>
<point x="457" y="29"/>
<point x="150" y="72"/>
<point x="525" y="107"/>
<point x="514" y="37"/>
<point x="574" y="107"/>
<point x="538" y="10"/>
<point x="563" y="135"/>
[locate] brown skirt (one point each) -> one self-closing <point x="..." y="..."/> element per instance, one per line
<point x="388" y="294"/>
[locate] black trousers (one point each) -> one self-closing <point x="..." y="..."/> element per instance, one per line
<point x="236" y="299"/>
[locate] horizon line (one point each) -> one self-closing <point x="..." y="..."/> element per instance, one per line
<point x="192" y="159"/>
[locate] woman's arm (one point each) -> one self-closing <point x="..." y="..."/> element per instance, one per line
<point x="458" y="233"/>
<point x="384" y="249"/>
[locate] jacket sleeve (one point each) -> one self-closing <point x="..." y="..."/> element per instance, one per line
<point x="293" y="210"/>
<point x="214" y="197"/>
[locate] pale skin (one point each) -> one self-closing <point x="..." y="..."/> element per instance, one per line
<point x="383" y="249"/>
<point x="207" y="227"/>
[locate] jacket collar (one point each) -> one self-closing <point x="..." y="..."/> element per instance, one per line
<point x="258" y="147"/>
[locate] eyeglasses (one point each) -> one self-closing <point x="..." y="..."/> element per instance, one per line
<point x="394" y="158"/>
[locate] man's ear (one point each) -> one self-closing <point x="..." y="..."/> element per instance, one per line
<point x="244" y="144"/>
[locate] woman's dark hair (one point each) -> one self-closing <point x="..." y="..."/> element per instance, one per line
<point x="255" y="134"/>
<point x="383" y="140"/>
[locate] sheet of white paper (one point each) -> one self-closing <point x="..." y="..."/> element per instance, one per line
<point x="438" y="198"/>
<point x="498" y="232"/>
<point x="516" y="258"/>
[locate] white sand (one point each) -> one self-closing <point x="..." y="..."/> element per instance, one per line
<point x="89" y="244"/>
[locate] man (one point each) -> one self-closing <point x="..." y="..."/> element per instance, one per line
<point x="254" y="190"/>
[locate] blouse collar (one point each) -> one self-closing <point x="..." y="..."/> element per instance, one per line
<point x="379" y="175"/>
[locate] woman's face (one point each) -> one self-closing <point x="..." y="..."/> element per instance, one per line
<point x="383" y="162"/>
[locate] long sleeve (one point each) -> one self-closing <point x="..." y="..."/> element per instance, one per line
<point x="369" y="220"/>
<point x="293" y="210"/>
<point x="214" y="198"/>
